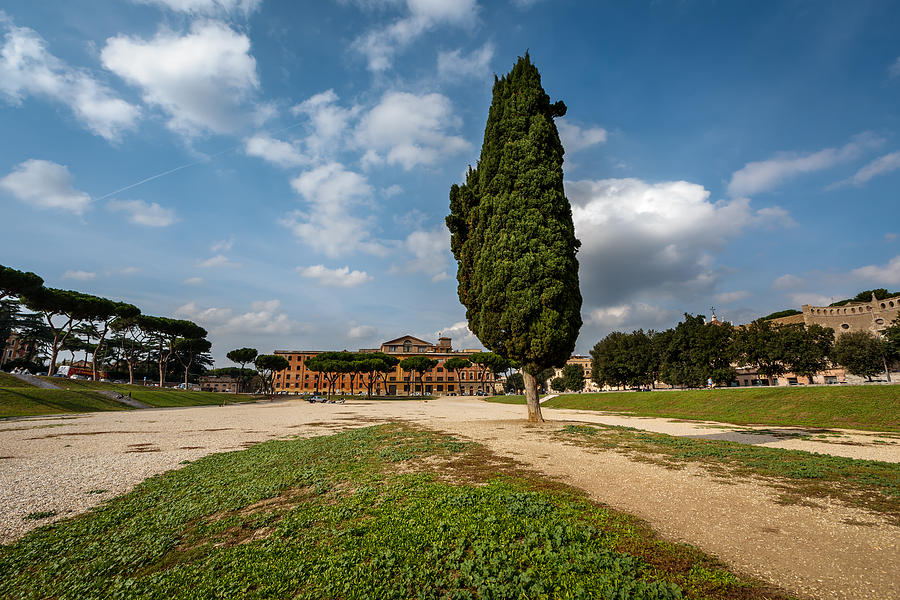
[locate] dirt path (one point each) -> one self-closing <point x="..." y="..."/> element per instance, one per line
<point x="68" y="464"/>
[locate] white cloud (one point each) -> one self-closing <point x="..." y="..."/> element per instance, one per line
<point x="392" y="190"/>
<point x="408" y="130"/>
<point x="460" y="334"/>
<point x="524" y="3"/>
<point x="45" y="184"/>
<point x="729" y="297"/>
<point x="890" y="237"/>
<point x="456" y="65"/>
<point x="787" y="281"/>
<point x="79" y="275"/>
<point x="575" y="138"/>
<point x="263" y="317"/>
<point x="879" y="166"/>
<point x="207" y="7"/>
<point x="429" y="251"/>
<point x="218" y="261"/>
<point x="27" y="68"/>
<point x="362" y="331"/>
<point x="331" y="225"/>
<point x="888" y="274"/>
<point x="894" y="69"/>
<point x="193" y="281"/>
<point x="381" y="45"/>
<point x="801" y="298"/>
<point x="281" y="153"/>
<point x="328" y="122"/>
<point x="657" y="239"/>
<point x="340" y="277"/>
<point x="629" y="316"/>
<point x="764" y="175"/>
<point x="222" y="245"/>
<point x="202" y="80"/>
<point x="143" y="213"/>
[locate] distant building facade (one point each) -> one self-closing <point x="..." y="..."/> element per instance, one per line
<point x="215" y="383"/>
<point x="15" y="347"/>
<point x="297" y="379"/>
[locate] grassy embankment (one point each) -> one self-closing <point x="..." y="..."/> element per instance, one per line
<point x="380" y="512"/>
<point x="866" y="407"/>
<point x="18" y="399"/>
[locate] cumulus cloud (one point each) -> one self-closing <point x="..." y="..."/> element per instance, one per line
<point x="575" y="138"/>
<point x="218" y="261"/>
<point x="460" y="334"/>
<point x="331" y="224"/>
<point x="193" y="281"/>
<point x="787" y="281"/>
<point x="362" y="331"/>
<point x="628" y="317"/>
<point x="223" y="245"/>
<point x="278" y="152"/>
<point x="894" y="69"/>
<point x="340" y="277"/>
<point x="149" y="214"/>
<point x="408" y="130"/>
<point x="642" y="238"/>
<point x="879" y="166"/>
<point x="45" y="184"/>
<point x="764" y="175"/>
<point x="328" y="122"/>
<point x="263" y="317"/>
<point x="380" y="46"/>
<point x="801" y="298"/>
<point x="729" y="297"/>
<point x="28" y="69"/>
<point x="207" y="7"/>
<point x="429" y="251"/>
<point x="888" y="274"/>
<point x="78" y="275"/>
<point x="456" y="65"/>
<point x="202" y="80"/>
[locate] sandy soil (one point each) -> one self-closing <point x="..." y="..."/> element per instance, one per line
<point x="70" y="463"/>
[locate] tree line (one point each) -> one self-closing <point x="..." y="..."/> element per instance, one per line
<point x="694" y="352"/>
<point x="116" y="334"/>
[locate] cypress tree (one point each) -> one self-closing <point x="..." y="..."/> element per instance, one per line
<point x="512" y="233"/>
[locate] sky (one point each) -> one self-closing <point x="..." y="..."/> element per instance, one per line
<point x="278" y="172"/>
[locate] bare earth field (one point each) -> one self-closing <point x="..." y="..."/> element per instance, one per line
<point x="67" y="464"/>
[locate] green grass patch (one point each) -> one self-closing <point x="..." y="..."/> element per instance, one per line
<point x="160" y="397"/>
<point x="867" y="407"/>
<point x="799" y="476"/>
<point x="380" y="512"/>
<point x="7" y="380"/>
<point x="31" y="401"/>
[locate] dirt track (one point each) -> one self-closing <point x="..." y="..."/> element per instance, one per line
<point x="68" y="464"/>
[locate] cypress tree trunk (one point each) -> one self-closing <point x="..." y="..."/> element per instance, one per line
<point x="531" y="398"/>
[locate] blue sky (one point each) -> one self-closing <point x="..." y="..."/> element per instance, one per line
<point x="279" y="171"/>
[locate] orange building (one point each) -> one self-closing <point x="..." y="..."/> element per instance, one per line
<point x="297" y="379"/>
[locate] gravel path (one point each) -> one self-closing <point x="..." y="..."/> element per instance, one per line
<point x="36" y="381"/>
<point x="70" y="463"/>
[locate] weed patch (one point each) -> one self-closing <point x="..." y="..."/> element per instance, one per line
<point x="380" y="512"/>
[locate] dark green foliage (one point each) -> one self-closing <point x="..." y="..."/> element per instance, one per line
<point x="806" y="349"/>
<point x="866" y="296"/>
<point x="457" y="364"/>
<point x="512" y="233"/>
<point x="16" y="283"/>
<point x="891" y="337"/>
<point x="268" y="365"/>
<point x="515" y="383"/>
<point x="242" y="356"/>
<point x="558" y="384"/>
<point x="573" y="377"/>
<point x="695" y="352"/>
<point x="625" y="359"/>
<point x="860" y="353"/>
<point x="782" y="313"/>
<point x="418" y="365"/>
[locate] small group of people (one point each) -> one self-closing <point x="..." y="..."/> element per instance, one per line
<point x="21" y="371"/>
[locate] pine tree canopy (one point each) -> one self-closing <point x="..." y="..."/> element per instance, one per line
<point x="512" y="233"/>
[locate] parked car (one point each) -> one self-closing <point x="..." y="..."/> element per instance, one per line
<point x="316" y="399"/>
